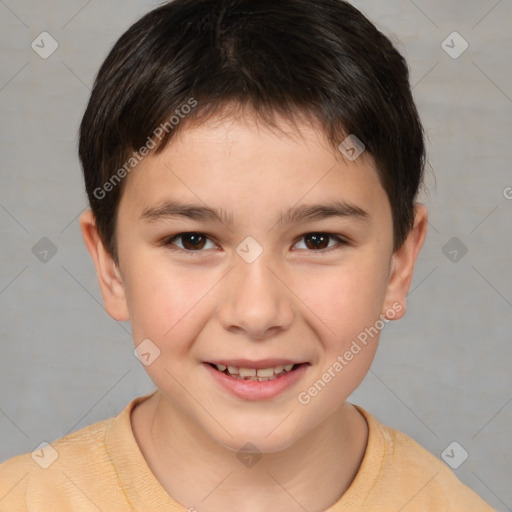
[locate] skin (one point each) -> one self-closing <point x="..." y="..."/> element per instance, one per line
<point x="295" y="301"/>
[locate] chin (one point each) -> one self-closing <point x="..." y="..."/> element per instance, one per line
<point x="268" y="438"/>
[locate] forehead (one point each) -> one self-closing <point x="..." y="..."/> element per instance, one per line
<point x="240" y="163"/>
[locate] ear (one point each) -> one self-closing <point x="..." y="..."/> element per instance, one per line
<point x="109" y="276"/>
<point x="402" y="265"/>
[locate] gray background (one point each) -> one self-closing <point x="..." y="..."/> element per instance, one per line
<point x="442" y="374"/>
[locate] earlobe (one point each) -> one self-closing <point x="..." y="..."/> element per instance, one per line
<point x="402" y="266"/>
<point x="109" y="276"/>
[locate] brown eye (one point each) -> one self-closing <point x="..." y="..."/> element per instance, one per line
<point x="193" y="241"/>
<point x="190" y="241"/>
<point x="317" y="241"/>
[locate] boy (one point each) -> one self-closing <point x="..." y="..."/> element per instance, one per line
<point x="252" y="169"/>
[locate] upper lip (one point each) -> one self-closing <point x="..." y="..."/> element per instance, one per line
<point x="262" y="363"/>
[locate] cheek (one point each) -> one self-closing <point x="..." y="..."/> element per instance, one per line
<point x="346" y="308"/>
<point x="346" y="298"/>
<point x="167" y="302"/>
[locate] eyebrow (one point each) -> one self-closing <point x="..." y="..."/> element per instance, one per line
<point x="172" y="209"/>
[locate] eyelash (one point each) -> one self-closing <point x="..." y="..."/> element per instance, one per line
<point x="168" y="242"/>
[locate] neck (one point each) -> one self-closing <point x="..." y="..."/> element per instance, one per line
<point x="195" y="470"/>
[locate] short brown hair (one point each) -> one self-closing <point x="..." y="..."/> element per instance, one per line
<point x="322" y="58"/>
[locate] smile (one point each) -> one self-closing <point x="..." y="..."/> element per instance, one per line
<point x="260" y="374"/>
<point x="246" y="382"/>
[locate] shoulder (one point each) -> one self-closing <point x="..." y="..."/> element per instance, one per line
<point x="61" y="464"/>
<point x="415" y="476"/>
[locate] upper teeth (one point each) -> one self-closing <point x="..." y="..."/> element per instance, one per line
<point x="253" y="372"/>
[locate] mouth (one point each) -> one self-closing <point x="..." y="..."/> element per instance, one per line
<point x="257" y="371"/>
<point x="256" y="380"/>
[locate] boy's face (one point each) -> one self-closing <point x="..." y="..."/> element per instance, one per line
<point x="304" y="299"/>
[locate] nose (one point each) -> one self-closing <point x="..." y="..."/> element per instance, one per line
<point x="255" y="302"/>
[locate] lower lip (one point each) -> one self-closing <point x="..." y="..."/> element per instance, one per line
<point x="254" y="389"/>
